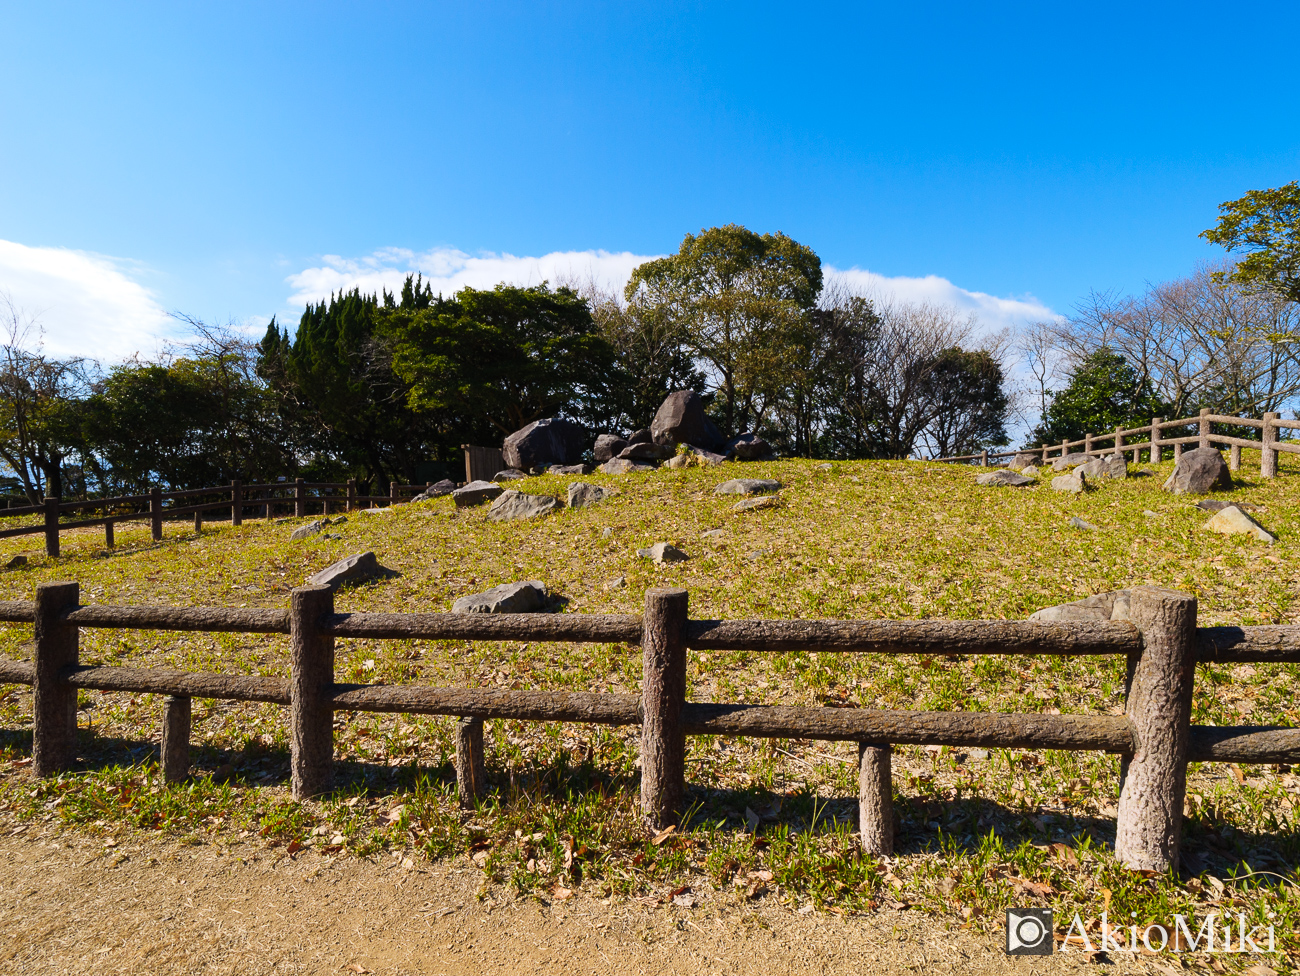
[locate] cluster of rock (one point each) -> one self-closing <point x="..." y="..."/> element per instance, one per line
<point x="509" y="505"/>
<point x="316" y="527"/>
<point x="1196" y="472"/>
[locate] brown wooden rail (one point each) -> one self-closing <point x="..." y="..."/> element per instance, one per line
<point x="1155" y="736"/>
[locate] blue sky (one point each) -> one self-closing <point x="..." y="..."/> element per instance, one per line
<point x="231" y="160"/>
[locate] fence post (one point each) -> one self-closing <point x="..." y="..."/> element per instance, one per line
<point x="1119" y="441"/>
<point x="352" y="494"/>
<point x="155" y="513"/>
<point x="299" y="498"/>
<point x="1234" y="458"/>
<point x="51" y="527"/>
<point x="1087" y="444"/>
<point x="1065" y="448"/>
<point x="984" y="458"/>
<point x="269" y="495"/>
<point x="236" y="502"/>
<point x="663" y="693"/>
<point x="1267" y="452"/>
<point x="1178" y="452"/>
<point x="176" y="738"/>
<point x="1159" y="713"/>
<point x="1044" y="455"/>
<point x="108" y="533"/>
<point x="876" y="797"/>
<point x="1157" y="451"/>
<point x="198" y="522"/>
<point x="311" y="681"/>
<point x="471" y="769"/>
<point x="54" y="709"/>
<point x="1203" y="428"/>
<point x="392" y="494"/>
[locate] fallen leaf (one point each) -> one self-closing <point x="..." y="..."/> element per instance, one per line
<point x="1237" y="774"/>
<point x="760" y="875"/>
<point x="1036" y="888"/>
<point x="1259" y="969"/>
<point x="663" y="835"/>
<point x="1106" y="895"/>
<point x="395" y="814"/>
<point x="294" y="847"/>
<point x="563" y="894"/>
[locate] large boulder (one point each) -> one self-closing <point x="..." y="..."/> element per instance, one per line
<point x="354" y="569"/>
<point x="1199" y="471"/>
<point x="582" y="494"/>
<point x="1109" y="466"/>
<point x="681" y="420"/>
<point x="528" y="596"/>
<point x="543" y="443"/>
<point x="1024" y="460"/>
<point x="1097" y="608"/>
<point x="1070" y="461"/>
<point x="475" y="493"/>
<point x="1074" y="482"/>
<point x="642" y="436"/>
<point x="512" y="506"/>
<point x="647" y="452"/>
<point x="1003" y="477"/>
<point x="608" y="446"/>
<point x="624" y="466"/>
<point x="747" y="486"/>
<point x="1233" y="521"/>
<point x="747" y="447"/>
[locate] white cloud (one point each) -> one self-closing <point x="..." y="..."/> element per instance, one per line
<point x="85" y="304"/>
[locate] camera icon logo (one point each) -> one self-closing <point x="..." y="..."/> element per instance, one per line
<point x="1029" y="932"/>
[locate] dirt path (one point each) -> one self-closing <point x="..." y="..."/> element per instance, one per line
<point x="72" y="905"/>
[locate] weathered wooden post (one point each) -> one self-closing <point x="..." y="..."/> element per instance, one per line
<point x="352" y="494"/>
<point x="54" y="709"/>
<point x="876" y="797"/>
<point x="1234" y="457"/>
<point x="1203" y="427"/>
<point x="984" y="458"/>
<point x="1087" y="443"/>
<point x="1178" y="452"/>
<point x="311" y="683"/>
<point x="392" y="493"/>
<point x="1065" y="448"/>
<point x="51" y="527"/>
<point x="198" y="521"/>
<point x="1156" y="451"/>
<point x="108" y="533"/>
<point x="1268" y="448"/>
<point x="1159" y="713"/>
<point x="176" y="738"/>
<point x="155" y="513"/>
<point x="1119" y="441"/>
<point x="471" y="768"/>
<point x="1044" y="455"/>
<point x="236" y="502"/>
<point x="299" y="498"/>
<point x="663" y="694"/>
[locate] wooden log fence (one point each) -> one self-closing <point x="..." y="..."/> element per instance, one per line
<point x="1154" y="442"/>
<point x="1154" y="738"/>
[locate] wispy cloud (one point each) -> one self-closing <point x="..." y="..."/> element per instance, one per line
<point x="85" y="304"/>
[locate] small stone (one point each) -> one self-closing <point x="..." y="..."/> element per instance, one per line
<point x="437" y="490"/>
<point x="1023" y="460"/>
<point x="338" y="521"/>
<point x="528" y="596"/>
<point x="475" y="493"/>
<point x="353" y="569"/>
<point x="16" y="562"/>
<point x="1150" y="514"/>
<point x="624" y="466"/>
<point x="823" y="467"/>
<point x="749" y="504"/>
<point x="1003" y="477"/>
<point x="308" y="530"/>
<point x="663" y="552"/>
<point x="1233" y="521"/>
<point x="713" y="533"/>
<point x="606" y="532"/>
<point x="616" y="584"/>
<point x="513" y="506"/>
<point x="680" y="461"/>
<point x="582" y="494"/>
<point x="1074" y="482"/>
<point x="1079" y="523"/>
<point x="747" y="486"/>
<point x="1029" y="471"/>
<point x="509" y="474"/>
<point x="978" y="754"/>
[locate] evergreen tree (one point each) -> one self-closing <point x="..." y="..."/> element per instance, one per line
<point x="1104" y="392"/>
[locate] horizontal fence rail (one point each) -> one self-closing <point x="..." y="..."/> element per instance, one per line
<point x="1155" y="736"/>
<point x="1154" y="442"/>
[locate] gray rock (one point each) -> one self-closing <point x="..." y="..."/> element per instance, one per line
<point x="509" y="474"/>
<point x="748" y="447"/>
<point x="979" y="755"/>
<point x="1218" y="505"/>
<point x="1233" y="521"/>
<point x="354" y="569"/>
<point x="682" y="461"/>
<point x="339" y="520"/>
<point x="1199" y="471"/>
<point x="443" y="487"/>
<point x="1108" y="466"/>
<point x="512" y="506"/>
<point x="543" y="443"/>
<point x="16" y="562"/>
<point x="762" y="501"/>
<point x="475" y="493"/>
<point x="569" y="469"/>
<point x="1029" y="471"/>
<point x="1074" y="482"/>
<point x="1079" y="523"/>
<point x="308" y="530"/>
<point x="1150" y="514"/>
<point x="823" y="467"/>
<point x="706" y="456"/>
<point x="528" y="596"/>
<point x="624" y="466"/>
<point x="582" y="494"/>
<point x="642" y="436"/>
<point x="663" y="552"/>
<point x="616" y="584"/>
<point x="747" y="486"/>
<point x="1003" y="477"/>
<point x="681" y="420"/>
<point x="608" y="446"/>
<point x="1099" y="607"/>
<point x="1023" y="460"/>
<point x="1070" y="461"/>
<point x="713" y="533"/>
<point x="647" y="452"/>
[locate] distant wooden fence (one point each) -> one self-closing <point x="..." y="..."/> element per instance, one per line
<point x="1155" y="738"/>
<point x="296" y="497"/>
<point x="1269" y="444"/>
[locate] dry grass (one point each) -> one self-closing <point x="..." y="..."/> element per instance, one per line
<point x="855" y="540"/>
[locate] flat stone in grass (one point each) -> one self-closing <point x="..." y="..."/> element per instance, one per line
<point x="1218" y="505"/>
<point x="509" y="474"/>
<point x="763" y="501"/>
<point x="1110" y="466"/>
<point x="528" y="596"/>
<point x="354" y="569"/>
<point x="308" y="530"/>
<point x="1003" y="477"/>
<point x="475" y="493"/>
<point x="1070" y="461"/>
<point x="747" y="486"/>
<point x="582" y="494"/>
<point x="1030" y="471"/>
<point x="624" y="466"/>
<point x="512" y="506"/>
<point x="1074" y="482"/>
<point x="1233" y="521"/>
<point x="1099" y="607"/>
<point x="443" y="487"/>
<point x="1079" y="523"/>
<point x="569" y="469"/>
<point x="1198" y="472"/>
<point x="663" y="552"/>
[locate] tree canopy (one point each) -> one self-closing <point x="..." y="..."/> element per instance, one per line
<point x="1104" y="392"/>
<point x="1266" y="224"/>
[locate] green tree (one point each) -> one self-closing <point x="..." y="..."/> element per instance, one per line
<point x="741" y="303"/>
<point x="1104" y="392"/>
<point x="969" y="401"/>
<point x="1266" y="223"/>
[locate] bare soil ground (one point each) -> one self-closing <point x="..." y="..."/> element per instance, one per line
<point x="76" y="904"/>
